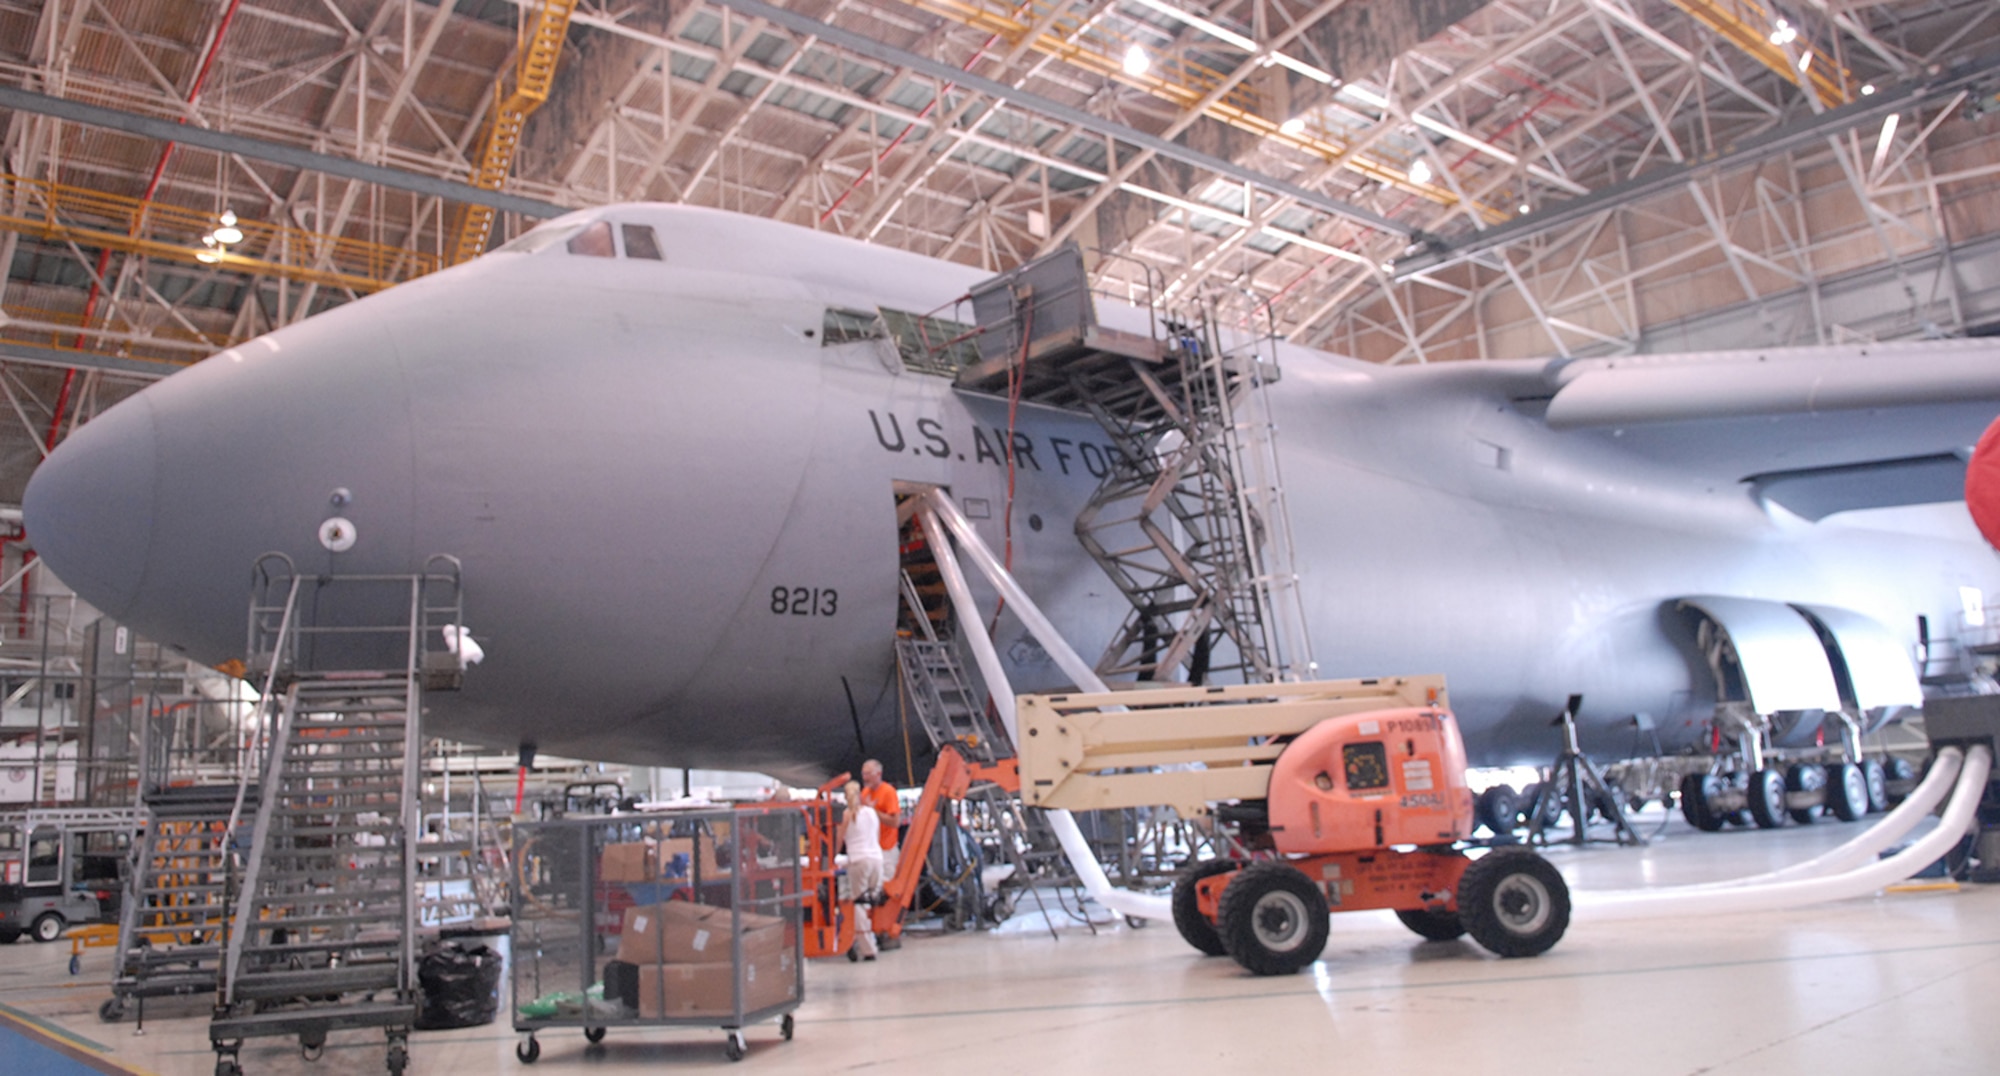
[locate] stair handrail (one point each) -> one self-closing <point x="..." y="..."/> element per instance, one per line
<point x="253" y="752"/>
<point x="411" y="806"/>
<point x="254" y="762"/>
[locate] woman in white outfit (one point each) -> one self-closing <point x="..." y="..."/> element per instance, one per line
<point x="864" y="867"/>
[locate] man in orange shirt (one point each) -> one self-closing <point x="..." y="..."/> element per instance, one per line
<point x="880" y="795"/>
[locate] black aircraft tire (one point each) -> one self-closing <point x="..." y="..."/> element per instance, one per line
<point x="1897" y="769"/>
<point x="1433" y="925"/>
<point x="1847" y="792"/>
<point x="1878" y="785"/>
<point x="1497" y="809"/>
<point x="1514" y="903"/>
<point x="1194" y="926"/>
<point x="1524" y="800"/>
<point x="1767" y="798"/>
<point x="1805" y="777"/>
<point x="1273" y="918"/>
<point x="1696" y="792"/>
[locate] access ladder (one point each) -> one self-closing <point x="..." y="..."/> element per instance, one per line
<point x="322" y="930"/>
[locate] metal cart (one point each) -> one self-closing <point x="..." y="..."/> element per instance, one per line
<point x="680" y="919"/>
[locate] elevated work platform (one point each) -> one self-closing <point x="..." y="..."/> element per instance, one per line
<point x="1190" y="523"/>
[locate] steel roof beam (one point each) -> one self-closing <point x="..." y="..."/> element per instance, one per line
<point x="1908" y="95"/>
<point x="275" y="152"/>
<point x="1033" y="102"/>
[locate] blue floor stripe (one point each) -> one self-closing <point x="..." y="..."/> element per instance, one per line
<point x="28" y="1057"/>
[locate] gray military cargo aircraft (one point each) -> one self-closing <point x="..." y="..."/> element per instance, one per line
<point x="664" y="443"/>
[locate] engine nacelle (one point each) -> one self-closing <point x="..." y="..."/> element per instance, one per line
<point x="1371" y="780"/>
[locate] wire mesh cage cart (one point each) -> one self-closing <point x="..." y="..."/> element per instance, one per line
<point x="682" y="919"/>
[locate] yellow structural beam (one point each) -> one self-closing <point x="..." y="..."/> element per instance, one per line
<point x="1748" y="25"/>
<point x="104" y="221"/>
<point x="1173" y="79"/>
<point x="533" y="75"/>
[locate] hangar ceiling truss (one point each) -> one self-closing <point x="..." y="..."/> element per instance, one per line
<point x="1404" y="181"/>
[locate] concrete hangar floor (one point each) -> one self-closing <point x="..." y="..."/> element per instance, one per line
<point x="1904" y="982"/>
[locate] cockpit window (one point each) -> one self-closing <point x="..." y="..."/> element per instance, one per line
<point x="594" y="241"/>
<point x="540" y="238"/>
<point x="641" y="242"/>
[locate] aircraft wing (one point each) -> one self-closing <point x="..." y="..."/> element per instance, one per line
<point x="1818" y="430"/>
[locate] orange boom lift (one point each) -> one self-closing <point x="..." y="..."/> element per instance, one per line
<point x="1344" y="795"/>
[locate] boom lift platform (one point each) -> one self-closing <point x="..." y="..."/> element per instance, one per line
<point x="1346" y="794"/>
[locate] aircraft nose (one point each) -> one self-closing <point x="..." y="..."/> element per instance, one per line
<point x="89" y="507"/>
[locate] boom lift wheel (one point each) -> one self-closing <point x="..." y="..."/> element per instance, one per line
<point x="1847" y="792"/>
<point x="1434" y="924"/>
<point x="1514" y="903"/>
<point x="1194" y="926"/>
<point x="48" y="927"/>
<point x="1273" y="919"/>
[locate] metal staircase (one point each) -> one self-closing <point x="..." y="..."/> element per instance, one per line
<point x="951" y="708"/>
<point x="945" y="702"/>
<point x="1190" y="524"/>
<point x="321" y="934"/>
<point x="533" y="76"/>
<point x="171" y="922"/>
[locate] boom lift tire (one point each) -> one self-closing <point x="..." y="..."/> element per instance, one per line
<point x="1513" y="902"/>
<point x="1805" y="777"/>
<point x="1433" y="924"/>
<point x="1697" y="792"/>
<point x="1193" y="925"/>
<point x="1767" y="798"/>
<point x="1273" y="919"/>
<point x="1847" y="792"/>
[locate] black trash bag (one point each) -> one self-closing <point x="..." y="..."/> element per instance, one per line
<point x="461" y="986"/>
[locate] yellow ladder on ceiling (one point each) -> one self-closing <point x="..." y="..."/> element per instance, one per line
<point x="534" y="74"/>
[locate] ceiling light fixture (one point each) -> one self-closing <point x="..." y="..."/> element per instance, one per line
<point x="1420" y="172"/>
<point x="1785" y="33"/>
<point x="1294" y="127"/>
<point x="1137" y="62"/>
<point x="229" y="232"/>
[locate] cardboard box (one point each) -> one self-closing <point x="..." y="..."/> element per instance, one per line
<point x="679" y="854"/>
<point x="634" y="861"/>
<point x="667" y="990"/>
<point x="679" y="932"/>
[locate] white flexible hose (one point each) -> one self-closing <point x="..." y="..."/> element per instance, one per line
<point x="1770" y="896"/>
<point x="1893" y="827"/>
